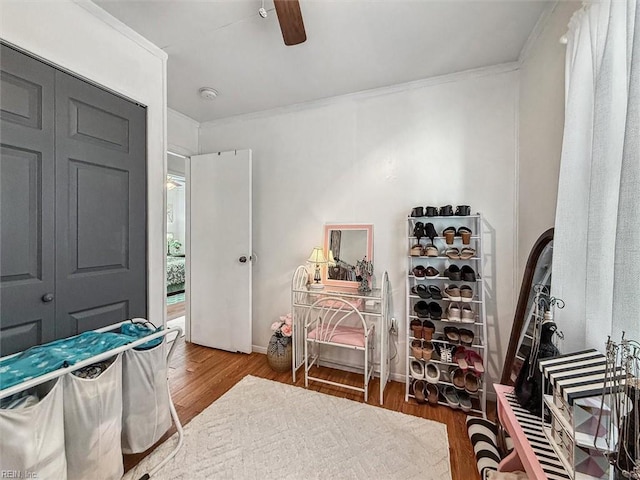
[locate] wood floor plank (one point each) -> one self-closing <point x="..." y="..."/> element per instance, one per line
<point x="199" y="376"/>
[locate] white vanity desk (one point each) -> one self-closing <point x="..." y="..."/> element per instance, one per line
<point x="373" y="305"/>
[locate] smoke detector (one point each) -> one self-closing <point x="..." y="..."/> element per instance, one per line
<point x="208" y="93"/>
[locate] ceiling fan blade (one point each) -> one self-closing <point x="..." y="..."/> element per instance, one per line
<point x="291" y="24"/>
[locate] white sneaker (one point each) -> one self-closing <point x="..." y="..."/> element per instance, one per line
<point x="468" y="315"/>
<point x="453" y="312"/>
<point x="417" y="369"/>
<point x="432" y="373"/>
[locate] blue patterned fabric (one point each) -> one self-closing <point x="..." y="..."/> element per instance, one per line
<point x="42" y="359"/>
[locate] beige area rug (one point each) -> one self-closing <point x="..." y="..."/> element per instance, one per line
<point x="262" y="429"/>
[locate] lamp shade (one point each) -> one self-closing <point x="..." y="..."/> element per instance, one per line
<point x="317" y="256"/>
<point x="331" y="261"/>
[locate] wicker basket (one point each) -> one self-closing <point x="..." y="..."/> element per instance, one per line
<point x="279" y="353"/>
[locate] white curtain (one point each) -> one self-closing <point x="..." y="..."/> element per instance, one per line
<point x="596" y="262"/>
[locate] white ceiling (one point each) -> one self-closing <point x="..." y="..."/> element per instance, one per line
<point x="352" y="45"/>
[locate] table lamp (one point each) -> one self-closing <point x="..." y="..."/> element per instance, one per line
<point x="317" y="258"/>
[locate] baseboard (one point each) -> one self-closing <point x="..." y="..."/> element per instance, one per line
<point x="259" y="349"/>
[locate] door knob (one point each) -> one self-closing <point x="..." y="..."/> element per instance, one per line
<point x="47" y="297"/>
<point x="242" y="259"/>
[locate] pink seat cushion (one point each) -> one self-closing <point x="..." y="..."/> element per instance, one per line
<point x="353" y="336"/>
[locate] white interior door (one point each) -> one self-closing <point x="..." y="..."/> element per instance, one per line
<point x="219" y="250"/>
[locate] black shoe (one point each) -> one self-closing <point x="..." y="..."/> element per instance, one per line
<point x="446" y="211"/>
<point x="421" y="291"/>
<point x="417" y="212"/>
<point x="453" y="273"/>
<point x="463" y="210"/>
<point x="431" y="211"/>
<point x="418" y="230"/>
<point x="468" y="275"/>
<point x="435" y="311"/>
<point x="430" y="231"/>
<point x="435" y="292"/>
<point x="422" y="309"/>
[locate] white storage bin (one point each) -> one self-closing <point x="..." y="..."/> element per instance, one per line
<point x="146" y="415"/>
<point x="32" y="438"/>
<point x="93" y="424"/>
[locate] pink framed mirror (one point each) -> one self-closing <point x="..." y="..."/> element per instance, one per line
<point x="344" y="245"/>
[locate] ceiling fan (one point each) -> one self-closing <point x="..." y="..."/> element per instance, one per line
<point x="291" y="24"/>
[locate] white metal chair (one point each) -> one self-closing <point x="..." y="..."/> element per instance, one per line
<point x="333" y="321"/>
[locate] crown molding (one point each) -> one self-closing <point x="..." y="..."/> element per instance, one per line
<point x="371" y="93"/>
<point x="538" y="28"/>
<point x="125" y="30"/>
<point x="184" y="117"/>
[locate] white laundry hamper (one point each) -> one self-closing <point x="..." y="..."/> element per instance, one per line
<point x="93" y="424"/>
<point x="32" y="438"/>
<point x="146" y="413"/>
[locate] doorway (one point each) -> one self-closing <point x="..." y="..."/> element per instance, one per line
<point x="176" y="240"/>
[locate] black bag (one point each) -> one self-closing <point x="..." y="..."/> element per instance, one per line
<point x="528" y="387"/>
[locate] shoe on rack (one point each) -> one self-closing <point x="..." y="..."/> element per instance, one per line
<point x="452" y="334"/>
<point x="457" y="378"/>
<point x="471" y="383"/>
<point x="428" y="329"/>
<point x="453" y="273"/>
<point x="427" y="350"/>
<point x="419" y="391"/>
<point x="466" y="337"/>
<point x="452" y="292"/>
<point x="418" y="271"/>
<point x="466" y="293"/>
<point x="420" y="290"/>
<point x="467" y="273"/>
<point x="416" y="250"/>
<point x="465" y="401"/>
<point x="446" y="211"/>
<point x="463" y="210"/>
<point x="435" y="292"/>
<point x="430" y="251"/>
<point x="452" y="253"/>
<point x="465" y="233"/>
<point x="474" y="361"/>
<point x="431" y="272"/>
<point x="468" y="315"/>
<point x="417" y="212"/>
<point x="417" y="369"/>
<point x="435" y="311"/>
<point x="431" y="211"/>
<point x="421" y="309"/>
<point x="430" y="231"/>
<point x="416" y="348"/>
<point x="453" y="312"/>
<point x="418" y="231"/>
<point x="449" y="234"/>
<point x="451" y="397"/>
<point x="431" y="372"/>
<point x="467" y="253"/>
<point x="416" y="328"/>
<point x="431" y="392"/>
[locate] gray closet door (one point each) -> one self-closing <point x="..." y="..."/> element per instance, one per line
<point x="101" y="255"/>
<point x="26" y="202"/>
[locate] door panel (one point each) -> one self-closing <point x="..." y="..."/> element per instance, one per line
<point x="26" y="201"/>
<point x="218" y="235"/>
<point x="101" y="264"/>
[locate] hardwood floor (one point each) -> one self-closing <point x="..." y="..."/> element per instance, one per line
<point x="176" y="310"/>
<point x="199" y="375"/>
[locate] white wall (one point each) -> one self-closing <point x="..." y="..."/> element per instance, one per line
<point x="370" y="158"/>
<point x="182" y="134"/>
<point x="176" y="198"/>
<point x="79" y="37"/>
<point x="540" y="129"/>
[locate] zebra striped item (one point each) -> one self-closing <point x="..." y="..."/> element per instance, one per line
<point x="532" y="428"/>
<point x="484" y="439"/>
<point x="576" y="375"/>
